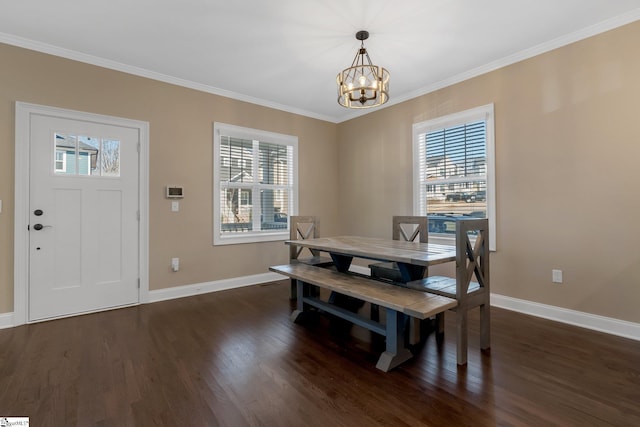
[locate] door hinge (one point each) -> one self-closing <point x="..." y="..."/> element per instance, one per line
<point x="138" y="283"/>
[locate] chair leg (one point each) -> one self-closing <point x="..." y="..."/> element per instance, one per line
<point x="461" y="338"/>
<point x="485" y="326"/>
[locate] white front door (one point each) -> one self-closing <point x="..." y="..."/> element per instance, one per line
<point x="83" y="216"/>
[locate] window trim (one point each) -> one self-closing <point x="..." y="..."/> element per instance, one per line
<point x="484" y="112"/>
<point x="220" y="129"/>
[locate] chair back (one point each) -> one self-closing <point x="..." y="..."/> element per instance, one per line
<point x="410" y="228"/>
<point x="472" y="256"/>
<point x="302" y="228"/>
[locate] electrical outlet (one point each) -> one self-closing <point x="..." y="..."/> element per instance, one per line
<point x="556" y="276"/>
<point x="175" y="264"/>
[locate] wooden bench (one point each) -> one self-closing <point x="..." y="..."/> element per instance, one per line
<point x="399" y="303"/>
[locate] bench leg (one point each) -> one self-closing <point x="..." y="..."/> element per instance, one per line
<point x="396" y="351"/>
<point x="417" y="328"/>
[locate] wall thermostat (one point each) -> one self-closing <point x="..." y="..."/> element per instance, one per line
<point x="175" y="192"/>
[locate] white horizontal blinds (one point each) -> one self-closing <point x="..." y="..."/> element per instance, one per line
<point x="455" y="169"/>
<point x="458" y="151"/>
<point x="236" y="160"/>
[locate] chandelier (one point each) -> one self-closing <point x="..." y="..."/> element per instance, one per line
<point x="363" y="85"/>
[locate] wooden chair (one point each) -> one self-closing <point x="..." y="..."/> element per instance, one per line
<point x="302" y="228"/>
<point x="407" y="228"/>
<point x="472" y="261"/>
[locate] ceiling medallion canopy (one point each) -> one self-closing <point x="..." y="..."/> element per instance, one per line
<point x="363" y="85"/>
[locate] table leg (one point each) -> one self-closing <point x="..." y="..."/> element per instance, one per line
<point x="409" y="272"/>
<point x="396" y="351"/>
<point x="342" y="262"/>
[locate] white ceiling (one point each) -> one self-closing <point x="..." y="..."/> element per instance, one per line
<point x="286" y="53"/>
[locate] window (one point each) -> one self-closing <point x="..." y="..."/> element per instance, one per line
<point x="88" y="156"/>
<point x="61" y="161"/>
<point x="454" y="170"/>
<point x="255" y="183"/>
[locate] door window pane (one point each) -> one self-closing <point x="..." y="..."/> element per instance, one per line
<point x="88" y="152"/>
<point x="64" y="160"/>
<point x="86" y="156"/>
<point x="110" y="158"/>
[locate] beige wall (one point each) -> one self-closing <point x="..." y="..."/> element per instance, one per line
<point x="567" y="156"/>
<point x="180" y="153"/>
<point x="567" y="147"/>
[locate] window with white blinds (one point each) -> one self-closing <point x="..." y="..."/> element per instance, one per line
<point x="255" y="184"/>
<point x="454" y="170"/>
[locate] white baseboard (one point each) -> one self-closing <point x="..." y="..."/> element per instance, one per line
<point x="577" y="318"/>
<point x="7" y="320"/>
<point x="206" y="287"/>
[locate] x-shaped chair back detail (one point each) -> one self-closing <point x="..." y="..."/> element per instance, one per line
<point x="302" y="228"/>
<point x="418" y="227"/>
<point x="472" y="259"/>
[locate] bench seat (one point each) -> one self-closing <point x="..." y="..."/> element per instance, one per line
<point x="399" y="303"/>
<point x="411" y="302"/>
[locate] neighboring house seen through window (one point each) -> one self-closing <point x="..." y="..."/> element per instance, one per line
<point x="255" y="184"/>
<point x="454" y="170"/>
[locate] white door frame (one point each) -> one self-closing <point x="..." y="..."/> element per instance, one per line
<point x="24" y="111"/>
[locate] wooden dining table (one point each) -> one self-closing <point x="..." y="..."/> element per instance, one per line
<point x="412" y="257"/>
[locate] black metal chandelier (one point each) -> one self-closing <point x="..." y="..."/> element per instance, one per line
<point x="363" y="85"/>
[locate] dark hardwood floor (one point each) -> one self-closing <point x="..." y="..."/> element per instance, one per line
<point x="233" y="358"/>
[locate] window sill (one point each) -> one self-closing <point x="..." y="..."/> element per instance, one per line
<point x="219" y="240"/>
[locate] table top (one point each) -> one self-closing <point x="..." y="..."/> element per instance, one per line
<point x="416" y="253"/>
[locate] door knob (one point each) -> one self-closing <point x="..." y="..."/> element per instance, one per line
<point x="39" y="227"/>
